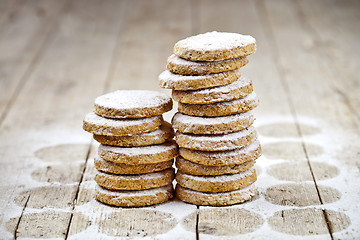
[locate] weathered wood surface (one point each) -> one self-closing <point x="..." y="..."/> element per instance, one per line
<point x="57" y="56"/>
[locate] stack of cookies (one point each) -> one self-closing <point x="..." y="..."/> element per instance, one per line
<point x="218" y="144"/>
<point x="136" y="151"/>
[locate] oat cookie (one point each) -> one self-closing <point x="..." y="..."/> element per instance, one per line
<point x="221" y="108"/>
<point x="96" y="124"/>
<point x="184" y="67"/>
<point x="215" y="199"/>
<point x="164" y="133"/>
<point x="223" y="158"/>
<point x="212" y="125"/>
<point x="221" y="142"/>
<point x="135" y="182"/>
<point x="132" y="104"/>
<point x="134" y="198"/>
<point x="121" y="168"/>
<point x="191" y="168"/>
<point x="187" y="82"/>
<point x="213" y="46"/>
<point x="139" y="155"/>
<point x="221" y="183"/>
<point x="238" y="89"/>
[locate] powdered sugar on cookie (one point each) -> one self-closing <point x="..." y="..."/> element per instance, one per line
<point x="129" y="99"/>
<point x="237" y="89"/>
<point x="221" y="178"/>
<point x="132" y="104"/>
<point x="217" y="142"/>
<point x="215" y="46"/>
<point x="137" y="151"/>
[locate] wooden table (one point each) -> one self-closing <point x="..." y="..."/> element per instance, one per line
<point x="57" y="56"/>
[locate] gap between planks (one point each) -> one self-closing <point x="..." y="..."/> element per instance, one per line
<point x="51" y="28"/>
<point x="78" y="187"/>
<point x="105" y="89"/>
<point x="264" y="17"/>
<point x="329" y="54"/>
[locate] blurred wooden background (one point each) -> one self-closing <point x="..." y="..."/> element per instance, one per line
<point x="57" y="56"/>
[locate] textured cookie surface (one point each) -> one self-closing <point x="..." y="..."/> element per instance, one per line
<point x="221" y="142"/>
<point x="134" y="198"/>
<point x="96" y="124"/>
<point x="212" y="46"/>
<point x="184" y="67"/>
<point x="223" y="158"/>
<point x="192" y="168"/>
<point x="171" y="80"/>
<point x="215" y="199"/>
<point x="135" y="182"/>
<point x="164" y="133"/>
<point x="238" y="89"/>
<point x="221" y="183"/>
<point x="121" y="168"/>
<point x="132" y="104"/>
<point x="240" y="105"/>
<point x="212" y="125"/>
<point x="139" y="155"/>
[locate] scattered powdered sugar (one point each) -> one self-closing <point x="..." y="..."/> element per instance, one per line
<point x="215" y="41"/>
<point x="138" y="151"/>
<point x="118" y="177"/>
<point x="187" y="119"/>
<point x="135" y="193"/>
<point x="94" y="119"/>
<point x="230" y="137"/>
<point x="130" y="99"/>
<point x="221" y="178"/>
<point x="239" y="83"/>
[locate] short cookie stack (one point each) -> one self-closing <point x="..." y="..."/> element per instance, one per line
<point x="218" y="144"/>
<point x="136" y="151"/>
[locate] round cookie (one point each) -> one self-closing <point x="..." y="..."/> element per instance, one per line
<point x="184" y="67"/>
<point x="212" y="125"/>
<point x="215" y="199"/>
<point x="191" y="168"/>
<point x="121" y="168"/>
<point x="164" y="133"/>
<point x="96" y="124"/>
<point x="139" y="155"/>
<point x="171" y="80"/>
<point x="223" y="158"/>
<point x="132" y="104"/>
<point x="134" y="198"/>
<point x="213" y="46"/>
<point x="135" y="182"/>
<point x="221" y="108"/>
<point x="222" y="183"/>
<point x="221" y="142"/>
<point x="238" y="89"/>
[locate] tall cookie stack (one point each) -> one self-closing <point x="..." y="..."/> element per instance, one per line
<point x="218" y="144"/>
<point x="136" y="151"/>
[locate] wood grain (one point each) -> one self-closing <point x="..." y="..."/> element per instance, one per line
<point x="57" y="56"/>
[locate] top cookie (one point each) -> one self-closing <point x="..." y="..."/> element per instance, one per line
<point x="132" y="104"/>
<point x="214" y="46"/>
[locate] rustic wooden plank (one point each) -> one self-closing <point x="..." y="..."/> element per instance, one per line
<point x="45" y="120"/>
<point x="313" y="90"/>
<point x="335" y="40"/>
<point x="7" y="10"/>
<point x="243" y="17"/>
<point x="144" y="43"/>
<point x="22" y="41"/>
